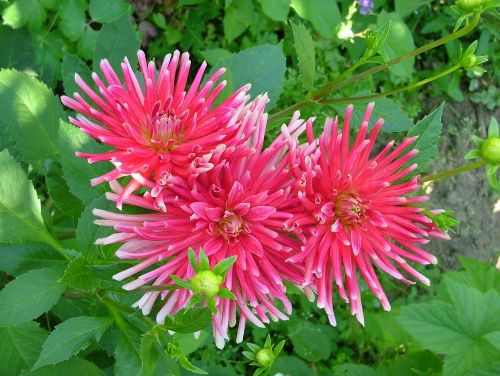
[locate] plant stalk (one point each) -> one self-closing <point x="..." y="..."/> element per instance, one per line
<point x="455" y="171"/>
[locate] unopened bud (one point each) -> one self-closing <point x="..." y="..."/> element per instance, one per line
<point x="264" y="357"/>
<point x="206" y="283"/>
<point x="470" y="5"/>
<point x="490" y="150"/>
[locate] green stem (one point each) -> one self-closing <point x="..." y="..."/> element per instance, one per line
<point x="455" y="171"/>
<point x="394" y="91"/>
<point x="328" y="88"/>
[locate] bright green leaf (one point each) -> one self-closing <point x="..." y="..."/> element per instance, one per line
<point x="304" y="47"/>
<point x="149" y="353"/>
<point x="78" y="276"/>
<point x="70" y="337"/>
<point x="276" y="10"/>
<point x="20" y="217"/>
<point x="22" y="12"/>
<point x="20" y="347"/>
<point x="189" y="321"/>
<point x="107" y="11"/>
<point x="72" y="18"/>
<point x="237" y="18"/>
<point x="29" y="295"/>
<point x="72" y="367"/>
<point x="323" y="14"/>
<point x="30" y="111"/>
<point x="86" y="44"/>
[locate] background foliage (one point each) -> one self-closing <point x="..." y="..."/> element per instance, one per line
<point x="56" y="319"/>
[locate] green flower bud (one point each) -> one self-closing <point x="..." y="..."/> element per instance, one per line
<point x="490" y="150"/>
<point x="264" y="357"/>
<point x="470" y="5"/>
<point x="468" y="61"/>
<point x="206" y="283"/>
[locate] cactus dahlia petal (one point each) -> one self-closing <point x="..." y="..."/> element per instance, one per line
<point x="236" y="208"/>
<point x="358" y="213"/>
<point x="157" y="125"/>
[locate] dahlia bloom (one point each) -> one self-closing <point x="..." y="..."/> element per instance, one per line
<point x="358" y="212"/>
<point x="237" y="208"/>
<point x="156" y="126"/>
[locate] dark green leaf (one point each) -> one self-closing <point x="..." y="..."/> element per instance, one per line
<point x="323" y="14"/>
<point x="189" y="321"/>
<point x="304" y="47"/>
<point x="276" y="10"/>
<point x="107" y="11"/>
<point x="215" y="55"/>
<point x="149" y="353"/>
<point x="72" y="367"/>
<point x="355" y="370"/>
<point x="59" y="191"/>
<point x="21" y="258"/>
<point x="86" y="44"/>
<point x="31" y="111"/>
<point x="72" y="18"/>
<point x="309" y="341"/>
<point x="70" y="337"/>
<point x="262" y="66"/>
<point x="237" y="18"/>
<point x="20" y="217"/>
<point x="405" y="7"/>
<point x="115" y="41"/>
<point x="428" y="131"/>
<point x="30" y="295"/>
<point x="20" y="347"/>
<point x="399" y="41"/>
<point x="77" y="171"/>
<point x="291" y="365"/>
<point x="73" y="64"/>
<point x="17" y="49"/>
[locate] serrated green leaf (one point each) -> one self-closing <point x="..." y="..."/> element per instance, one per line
<point x="22" y="12"/>
<point x="20" y="217"/>
<point x="31" y="111"/>
<point x="304" y="47"/>
<point x="30" y="295"/>
<point x="399" y="41"/>
<point x="149" y="353"/>
<point x="355" y="370"/>
<point x="78" y="172"/>
<point x="73" y="64"/>
<point x="107" y="11"/>
<point x="323" y="14"/>
<point x="72" y="18"/>
<point x="262" y="66"/>
<point x="86" y="44"/>
<point x="70" y="337"/>
<point x="465" y="323"/>
<point x="59" y="191"/>
<point x="16" y="259"/>
<point x="87" y="232"/>
<point x="127" y="351"/>
<point x="428" y="131"/>
<point x="115" y="41"/>
<point x="237" y="18"/>
<point x="72" y="367"/>
<point x="276" y="10"/>
<point x="79" y="277"/>
<point x="17" y="49"/>
<point x="189" y="321"/>
<point x="309" y="341"/>
<point x="20" y="347"/>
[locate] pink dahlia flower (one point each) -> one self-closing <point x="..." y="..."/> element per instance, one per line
<point x="156" y="125"/>
<point x="235" y="209"/>
<point x="357" y="211"/>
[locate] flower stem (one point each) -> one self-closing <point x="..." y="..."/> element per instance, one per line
<point x="334" y="85"/>
<point x="394" y="91"/>
<point x="455" y="171"/>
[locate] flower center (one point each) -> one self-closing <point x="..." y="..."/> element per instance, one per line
<point x="350" y="209"/>
<point x="166" y="130"/>
<point x="231" y="226"/>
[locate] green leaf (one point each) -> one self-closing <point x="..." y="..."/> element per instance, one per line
<point x="127" y="354"/>
<point x="70" y="337"/>
<point x="72" y="367"/>
<point x="16" y="259"/>
<point x="189" y="321"/>
<point x="428" y="131"/>
<point x="115" y="41"/>
<point x="214" y="55"/>
<point x="31" y="111"/>
<point x="414" y="363"/>
<point x="226" y="294"/>
<point x="107" y="11"/>
<point x="22" y="12"/>
<point x="78" y="276"/>
<point x="17" y="49"/>
<point x="276" y="10"/>
<point x="59" y="191"/>
<point x="405" y="7"/>
<point x="77" y="171"/>
<point x="237" y="18"/>
<point x="323" y="14"/>
<point x="192" y="260"/>
<point x="224" y="265"/>
<point x="87" y="232"/>
<point x="86" y="44"/>
<point x="149" y="353"/>
<point x="477" y="274"/>
<point x="262" y="66"/>
<point x="72" y="18"/>
<point x="203" y="262"/>
<point x="354" y="370"/>
<point x="20" y="217"/>
<point x="189" y="343"/>
<point x="30" y="295"/>
<point x="309" y="341"/>
<point x="291" y="365"/>
<point x="399" y="41"/>
<point x="73" y="64"/>
<point x="304" y="47"/>
<point x="20" y="347"/>
<point x="465" y="323"/>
